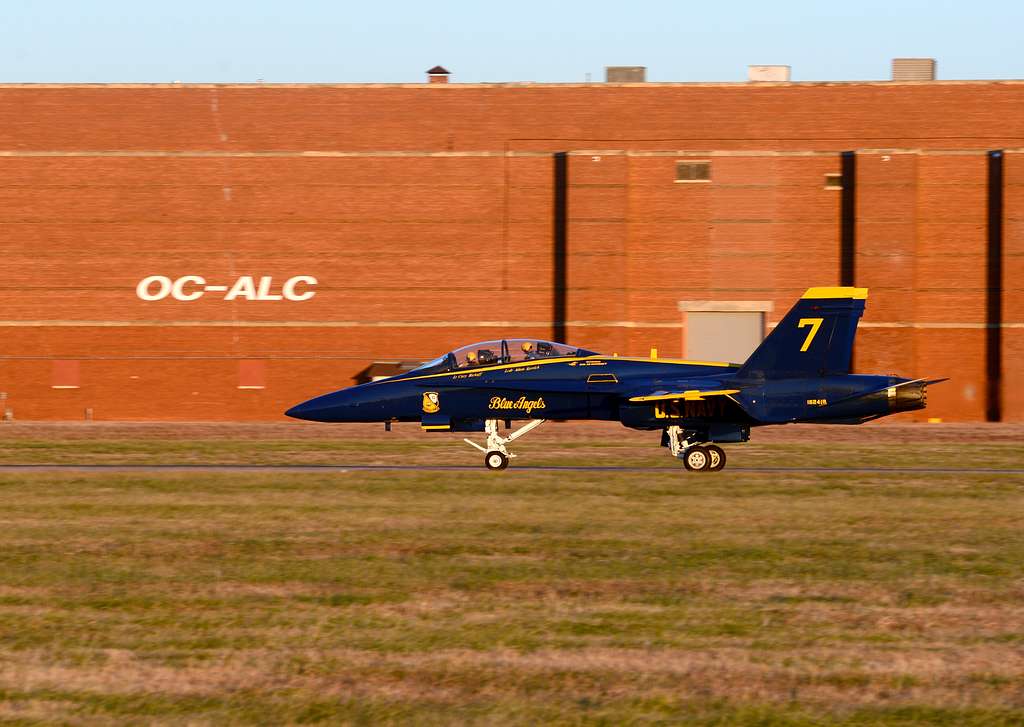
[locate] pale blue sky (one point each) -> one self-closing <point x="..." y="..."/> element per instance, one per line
<point x="524" y="40"/>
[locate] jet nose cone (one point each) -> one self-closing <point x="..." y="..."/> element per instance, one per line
<point x="301" y="411"/>
<point x="346" y="405"/>
<point x="324" y="408"/>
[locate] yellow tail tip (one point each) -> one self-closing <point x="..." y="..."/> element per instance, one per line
<point x="837" y="292"/>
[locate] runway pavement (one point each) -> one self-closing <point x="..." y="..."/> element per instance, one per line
<point x="523" y="468"/>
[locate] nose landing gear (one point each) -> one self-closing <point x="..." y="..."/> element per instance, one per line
<point x="496" y="456"/>
<point x="697" y="457"/>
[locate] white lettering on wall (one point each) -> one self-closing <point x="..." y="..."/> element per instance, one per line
<point x="288" y="289"/>
<point x="243" y="288"/>
<point x="178" y="288"/>
<point x="194" y="287"/>
<point x="145" y="287"/>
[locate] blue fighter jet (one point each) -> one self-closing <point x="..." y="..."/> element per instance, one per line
<point x="799" y="373"/>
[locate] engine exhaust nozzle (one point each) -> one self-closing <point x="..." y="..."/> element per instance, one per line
<point x="908" y="397"/>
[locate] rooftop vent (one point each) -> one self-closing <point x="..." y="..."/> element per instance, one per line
<point x="625" y="74"/>
<point x="438" y="74"/>
<point x="768" y="73"/>
<point x="913" y="69"/>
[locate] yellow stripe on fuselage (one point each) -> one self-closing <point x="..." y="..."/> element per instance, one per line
<point x="673" y="361"/>
<point x="561" y="359"/>
<point x="842" y="292"/>
<point x="692" y="395"/>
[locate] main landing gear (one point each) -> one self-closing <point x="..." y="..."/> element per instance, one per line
<point x="688" y="446"/>
<point x="496" y="457"/>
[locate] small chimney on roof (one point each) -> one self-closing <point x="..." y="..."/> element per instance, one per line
<point x="768" y="73"/>
<point x="913" y="69"/>
<point x="438" y="74"/>
<point x="625" y="74"/>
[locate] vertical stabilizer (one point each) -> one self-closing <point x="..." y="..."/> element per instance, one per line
<point x="814" y="339"/>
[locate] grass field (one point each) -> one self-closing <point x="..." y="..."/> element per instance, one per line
<point x="742" y="598"/>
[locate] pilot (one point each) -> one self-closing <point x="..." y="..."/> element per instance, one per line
<point x="529" y="350"/>
<point x="471" y="358"/>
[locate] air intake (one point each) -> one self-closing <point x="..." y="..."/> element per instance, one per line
<point x="913" y="69"/>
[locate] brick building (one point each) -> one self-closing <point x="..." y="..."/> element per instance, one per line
<point x="435" y="214"/>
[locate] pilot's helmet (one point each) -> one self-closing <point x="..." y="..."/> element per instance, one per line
<point x="527" y="346"/>
<point x="471" y="357"/>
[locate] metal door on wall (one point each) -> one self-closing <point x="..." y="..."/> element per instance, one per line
<point x="723" y="335"/>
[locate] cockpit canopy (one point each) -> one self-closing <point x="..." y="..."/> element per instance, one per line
<point x="500" y="351"/>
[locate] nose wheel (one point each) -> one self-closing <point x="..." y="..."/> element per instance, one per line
<point x="495" y="460"/>
<point x="496" y="456"/>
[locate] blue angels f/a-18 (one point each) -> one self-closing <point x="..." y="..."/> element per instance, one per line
<point x="799" y="373"/>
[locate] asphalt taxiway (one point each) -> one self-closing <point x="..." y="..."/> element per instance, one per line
<point x="524" y="468"/>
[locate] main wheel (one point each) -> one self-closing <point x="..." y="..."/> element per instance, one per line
<point x="495" y="460"/>
<point x="717" y="455"/>
<point x="697" y="459"/>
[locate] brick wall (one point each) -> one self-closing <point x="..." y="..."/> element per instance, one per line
<point x="819" y="116"/>
<point x="425" y="212"/>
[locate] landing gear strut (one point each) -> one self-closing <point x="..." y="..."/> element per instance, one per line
<point x="496" y="457"/>
<point x="691" y="447"/>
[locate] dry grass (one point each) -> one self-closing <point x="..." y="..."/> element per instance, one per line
<point x="886" y="430"/>
<point x="545" y="597"/>
<point x="577" y="443"/>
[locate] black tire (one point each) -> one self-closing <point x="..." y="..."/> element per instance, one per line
<point x="696" y="459"/>
<point x="717" y="455"/>
<point x="495" y="460"/>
